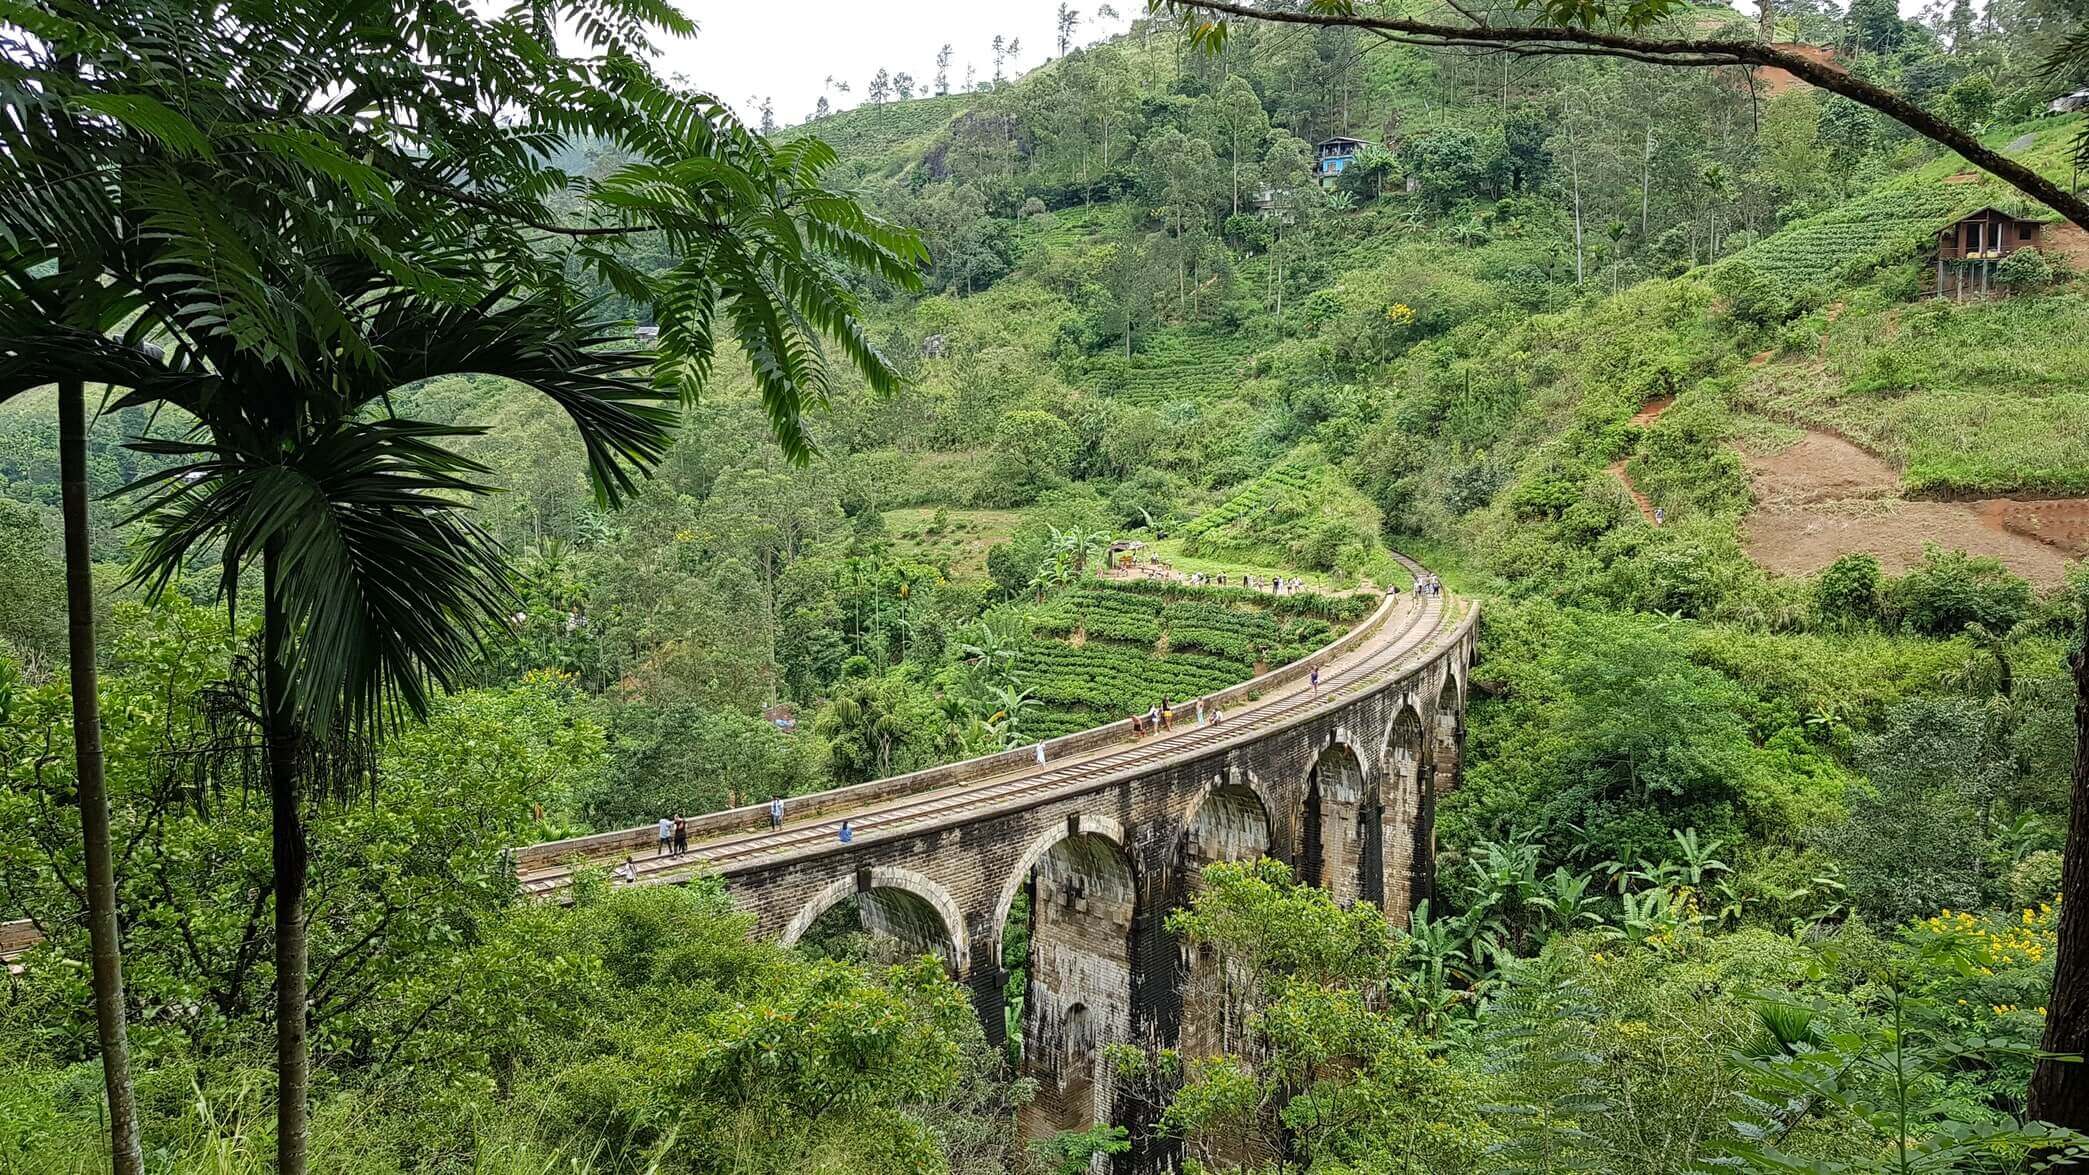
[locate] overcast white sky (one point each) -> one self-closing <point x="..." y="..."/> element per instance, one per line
<point x="784" y="49"/>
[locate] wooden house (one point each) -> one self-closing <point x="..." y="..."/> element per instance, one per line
<point x="1969" y="247"/>
<point x="1334" y="155"/>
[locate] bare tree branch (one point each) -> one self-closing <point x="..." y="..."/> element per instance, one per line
<point x="1685" y="53"/>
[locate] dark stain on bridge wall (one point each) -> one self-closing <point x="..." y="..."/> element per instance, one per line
<point x="976" y="869"/>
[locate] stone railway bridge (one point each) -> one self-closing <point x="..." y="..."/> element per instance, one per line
<point x="1107" y="837"/>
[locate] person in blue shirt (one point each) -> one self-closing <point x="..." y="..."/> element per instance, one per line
<point x="776" y="811"/>
<point x="847" y="834"/>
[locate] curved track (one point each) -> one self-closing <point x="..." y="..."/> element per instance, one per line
<point x="1404" y="640"/>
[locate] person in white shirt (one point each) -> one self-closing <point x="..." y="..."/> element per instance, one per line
<point x="667" y="836"/>
<point x="628" y="871"/>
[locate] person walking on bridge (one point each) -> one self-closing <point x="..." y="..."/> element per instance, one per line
<point x="681" y="835"/>
<point x="775" y="812"/>
<point x="628" y="871"/>
<point x="1315" y="680"/>
<point x="667" y="836"/>
<point x="847" y="834"/>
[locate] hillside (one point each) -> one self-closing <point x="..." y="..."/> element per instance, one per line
<point x="1740" y="823"/>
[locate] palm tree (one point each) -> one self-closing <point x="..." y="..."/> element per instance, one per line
<point x="861" y="710"/>
<point x="97" y="309"/>
<point x="171" y="156"/>
<point x="376" y="583"/>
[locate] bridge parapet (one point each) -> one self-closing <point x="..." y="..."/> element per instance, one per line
<point x="606" y="847"/>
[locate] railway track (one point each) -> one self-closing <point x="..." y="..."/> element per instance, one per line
<point x="1402" y="641"/>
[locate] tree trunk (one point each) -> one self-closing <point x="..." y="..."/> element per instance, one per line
<point x="1574" y="164"/>
<point x="126" y="1156"/>
<point x="1766" y="21"/>
<point x="293" y="1064"/>
<point x="1646" y="182"/>
<point x="2060" y="1089"/>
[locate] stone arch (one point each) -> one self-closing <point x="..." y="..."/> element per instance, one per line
<point x="1402" y="821"/>
<point x="1084" y="894"/>
<point x="903" y="904"/>
<point x="1232" y="820"/>
<point x="1102" y="826"/>
<point x="1336" y="788"/>
<point x="1447" y="732"/>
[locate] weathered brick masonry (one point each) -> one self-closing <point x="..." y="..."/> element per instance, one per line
<point x="1108" y="863"/>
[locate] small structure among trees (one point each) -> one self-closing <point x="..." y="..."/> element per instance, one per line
<point x="1333" y="156"/>
<point x="1970" y="248"/>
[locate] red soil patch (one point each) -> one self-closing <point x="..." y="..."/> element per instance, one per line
<point x="1644" y="417"/>
<point x="2066" y="243"/>
<point x="1645" y="504"/>
<point x="1772" y="82"/>
<point x="1653" y="410"/>
<point x="1824" y="498"/>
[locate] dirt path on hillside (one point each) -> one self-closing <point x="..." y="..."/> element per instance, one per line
<point x="1644" y="417"/>
<point x="1823" y="497"/>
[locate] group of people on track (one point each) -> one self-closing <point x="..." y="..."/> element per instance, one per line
<point x="1161" y="716"/>
<point x="674" y="830"/>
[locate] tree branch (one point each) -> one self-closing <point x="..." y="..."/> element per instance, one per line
<point x="1689" y="53"/>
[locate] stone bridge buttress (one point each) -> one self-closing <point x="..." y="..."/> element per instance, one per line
<point x="1344" y="793"/>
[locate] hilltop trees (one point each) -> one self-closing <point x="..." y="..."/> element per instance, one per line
<point x="1233" y="119"/>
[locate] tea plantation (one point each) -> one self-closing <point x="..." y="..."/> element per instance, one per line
<point x="1102" y="651"/>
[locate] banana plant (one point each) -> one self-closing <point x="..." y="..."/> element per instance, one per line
<point x="1568" y="901"/>
<point x="1697" y="860"/>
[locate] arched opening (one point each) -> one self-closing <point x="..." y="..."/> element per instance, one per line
<point x="879" y="915"/>
<point x="1330" y="846"/>
<point x="1448" y="735"/>
<point x="1400" y="821"/>
<point x="1370" y="832"/>
<point x="1230" y="824"/>
<point x="1078" y="995"/>
<point x="1077" y="1056"/>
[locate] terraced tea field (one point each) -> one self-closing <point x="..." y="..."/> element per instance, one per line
<point x="1104" y="650"/>
<point x="876" y="132"/>
<point x="1862" y="232"/>
<point x="1175" y="366"/>
<point x="1254" y="497"/>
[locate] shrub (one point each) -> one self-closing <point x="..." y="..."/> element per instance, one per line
<point x="1848" y="589"/>
<point x="1952" y="589"/>
<point x="2025" y="269"/>
<point x="2036" y="878"/>
<point x="1751" y="296"/>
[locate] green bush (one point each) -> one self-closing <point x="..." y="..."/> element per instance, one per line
<point x="2036" y="878"/>
<point x="1848" y="590"/>
<point x="1951" y="589"/>
<point x="2023" y="270"/>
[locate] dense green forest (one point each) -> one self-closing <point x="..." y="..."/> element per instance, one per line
<point x="1755" y="856"/>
